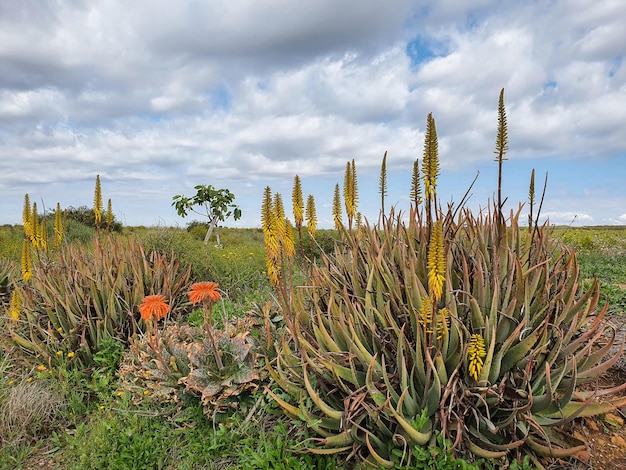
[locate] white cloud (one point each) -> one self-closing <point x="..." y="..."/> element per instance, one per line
<point x="160" y="96"/>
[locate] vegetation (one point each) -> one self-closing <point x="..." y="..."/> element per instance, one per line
<point x="218" y="206"/>
<point x="432" y="339"/>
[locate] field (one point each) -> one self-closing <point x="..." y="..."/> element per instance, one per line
<point x="55" y="415"/>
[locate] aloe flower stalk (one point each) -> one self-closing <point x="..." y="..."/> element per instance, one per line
<point x="475" y="355"/>
<point x="97" y="202"/>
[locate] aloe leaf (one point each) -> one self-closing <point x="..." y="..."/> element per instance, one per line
<point x="520" y="350"/>
<point x="323" y="406"/>
<point x="379" y="460"/>
<point x="484" y="453"/>
<point x="417" y="437"/>
<point x="490" y="333"/>
<point x="553" y="451"/>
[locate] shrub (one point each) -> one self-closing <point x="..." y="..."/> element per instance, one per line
<point x="85" y="295"/>
<point x="467" y="327"/>
<point x="220" y="366"/>
<point x="29" y="410"/>
<point x="86" y="216"/>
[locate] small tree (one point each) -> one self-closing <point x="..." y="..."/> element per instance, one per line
<point x="218" y="204"/>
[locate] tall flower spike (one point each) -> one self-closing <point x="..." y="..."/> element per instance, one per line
<point x="443" y="323"/>
<point x="426" y="314"/>
<point x="502" y="138"/>
<point x="475" y="355"/>
<point x="289" y="245"/>
<point x="383" y="182"/>
<point x="279" y="217"/>
<point x="311" y="215"/>
<point x="109" y="214"/>
<point x="297" y="201"/>
<point x="34" y="223"/>
<point x="501" y="149"/>
<point x="268" y="222"/>
<point x="416" y="187"/>
<point x="270" y="236"/>
<point x="15" y="306"/>
<point x="58" y="226"/>
<point x="355" y="189"/>
<point x="28" y="228"/>
<point x="97" y="202"/>
<point x="43" y="235"/>
<point x="436" y="262"/>
<point x="350" y="191"/>
<point x="337" y="207"/>
<point x="27" y="262"/>
<point x="531" y="199"/>
<point x="430" y="162"/>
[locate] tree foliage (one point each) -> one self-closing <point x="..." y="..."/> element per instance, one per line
<point x="217" y="203"/>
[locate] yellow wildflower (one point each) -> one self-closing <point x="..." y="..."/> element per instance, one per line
<point x="70" y="354"/>
<point x="475" y="354"/>
<point x="436" y="263"/>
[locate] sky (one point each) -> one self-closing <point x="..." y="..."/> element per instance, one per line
<point x="157" y="97"/>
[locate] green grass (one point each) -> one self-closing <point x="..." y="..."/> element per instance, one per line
<point x="601" y="254"/>
<point x="99" y="429"/>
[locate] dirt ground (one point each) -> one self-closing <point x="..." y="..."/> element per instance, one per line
<point x="605" y="436"/>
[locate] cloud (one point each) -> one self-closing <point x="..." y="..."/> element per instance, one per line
<point x="157" y="97"/>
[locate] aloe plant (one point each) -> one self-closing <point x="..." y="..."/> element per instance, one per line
<point x="182" y="365"/>
<point x="464" y="326"/>
<point x="84" y="294"/>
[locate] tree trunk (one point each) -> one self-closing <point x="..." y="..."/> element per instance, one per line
<point x="212" y="225"/>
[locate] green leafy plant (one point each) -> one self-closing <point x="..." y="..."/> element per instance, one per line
<point x="218" y="366"/>
<point x="86" y="295"/>
<point x="218" y="205"/>
<point x="465" y="327"/>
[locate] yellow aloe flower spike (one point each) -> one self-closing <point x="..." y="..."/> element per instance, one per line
<point x="97" y="202"/>
<point x="436" y="263"/>
<point x="27" y="262"/>
<point x="15" y="305"/>
<point x="311" y="215"/>
<point x="475" y="354"/>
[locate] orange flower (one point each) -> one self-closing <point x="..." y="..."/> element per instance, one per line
<point x="201" y="291"/>
<point x="153" y="306"/>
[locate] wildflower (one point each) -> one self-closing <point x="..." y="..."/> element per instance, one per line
<point x="153" y="306"/>
<point x="476" y="353"/>
<point x="41" y="367"/>
<point x="146" y="392"/>
<point x="425" y="314"/>
<point x="443" y="322"/>
<point x="15" y="305"/>
<point x="101" y="407"/>
<point x="202" y="291"/>
<point x="436" y="262"/>
<point x="70" y="354"/>
<point x="148" y="372"/>
<point x="60" y="330"/>
<point x="119" y="394"/>
<point x="29" y="379"/>
<point x="27" y="262"/>
<point x="11" y="382"/>
<point x="59" y="353"/>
